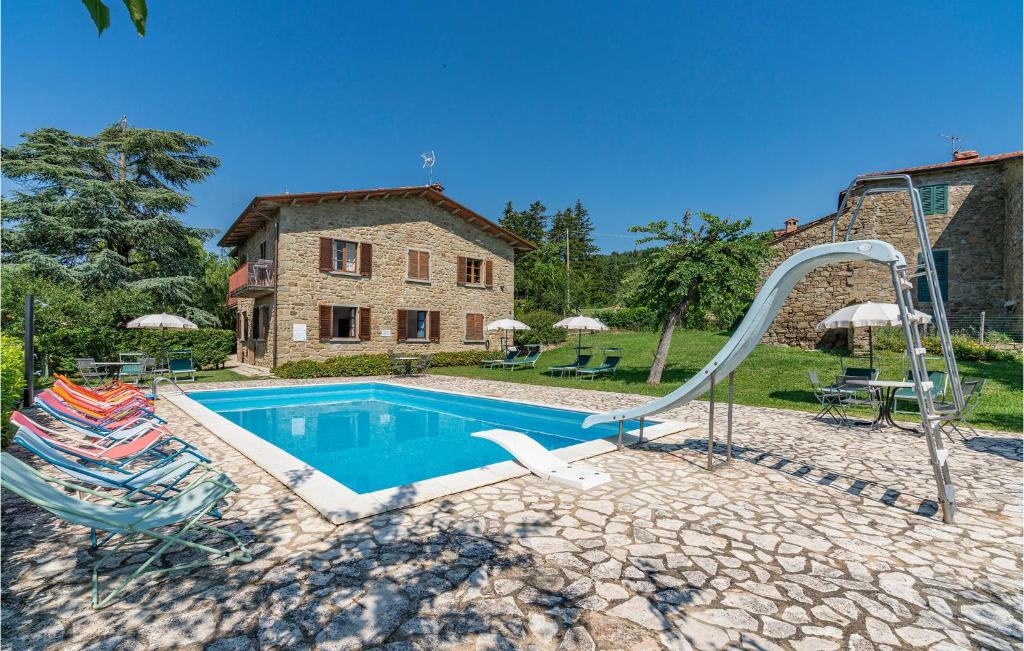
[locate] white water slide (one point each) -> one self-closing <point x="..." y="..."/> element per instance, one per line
<point x="760" y="315"/>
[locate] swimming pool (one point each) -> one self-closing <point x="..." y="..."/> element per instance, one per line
<point x="354" y="449"/>
<point x="375" y="436"/>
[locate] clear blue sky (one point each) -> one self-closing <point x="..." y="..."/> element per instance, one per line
<point x="762" y="109"/>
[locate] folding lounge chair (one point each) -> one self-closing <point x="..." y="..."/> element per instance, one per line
<point x="610" y="363"/>
<point x="112" y="452"/>
<point x="122" y="517"/>
<point x="530" y="360"/>
<point x="179" y="365"/>
<point x="581" y="361"/>
<point x="97" y="408"/>
<point x="938" y="380"/>
<point x="87" y="424"/>
<point x="109" y="392"/>
<point x="509" y="356"/>
<point x="153" y="480"/>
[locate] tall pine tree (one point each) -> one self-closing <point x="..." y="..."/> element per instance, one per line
<point x="102" y="212"/>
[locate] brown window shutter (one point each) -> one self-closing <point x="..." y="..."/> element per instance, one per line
<point x="489" y="274"/>
<point x="460" y="272"/>
<point x="326" y="254"/>
<point x="479" y="327"/>
<point x="403" y="325"/>
<point x="326" y="313"/>
<point x="424" y="265"/>
<point x="414" y="266"/>
<point x="435" y="327"/>
<point x="366" y="259"/>
<point x="364" y="324"/>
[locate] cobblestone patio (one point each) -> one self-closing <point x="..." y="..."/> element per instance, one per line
<point x="814" y="538"/>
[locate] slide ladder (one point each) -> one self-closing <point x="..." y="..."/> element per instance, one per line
<point x="763" y="311"/>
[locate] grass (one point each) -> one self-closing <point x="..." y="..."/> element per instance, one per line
<point x="222" y="375"/>
<point x="772" y="376"/>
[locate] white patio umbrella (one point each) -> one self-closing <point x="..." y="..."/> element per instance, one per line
<point x="162" y="321"/>
<point x="506" y="325"/>
<point x="581" y="324"/>
<point x="869" y="315"/>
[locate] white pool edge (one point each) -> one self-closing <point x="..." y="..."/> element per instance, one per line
<point x="340" y="504"/>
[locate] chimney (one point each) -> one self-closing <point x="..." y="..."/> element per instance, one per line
<point x="791" y="224"/>
<point x="966" y="154"/>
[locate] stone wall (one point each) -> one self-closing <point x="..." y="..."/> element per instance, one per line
<point x="1013" y="237"/>
<point x="971" y="230"/>
<point x="392" y="226"/>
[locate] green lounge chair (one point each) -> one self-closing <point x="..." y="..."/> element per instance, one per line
<point x="610" y="363"/>
<point x="509" y="356"/>
<point x="530" y="360"/>
<point x="129" y="519"/>
<point x="581" y="361"/>
<point x="179" y="365"/>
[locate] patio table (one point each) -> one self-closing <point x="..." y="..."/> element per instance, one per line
<point x="888" y="389"/>
<point x="115" y="367"/>
<point x="408" y="363"/>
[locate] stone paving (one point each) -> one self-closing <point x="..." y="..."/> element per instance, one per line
<point x="813" y="538"/>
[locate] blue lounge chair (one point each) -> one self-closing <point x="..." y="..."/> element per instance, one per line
<point x="581" y="360"/>
<point x="130" y="520"/>
<point x="530" y="360"/>
<point x="938" y="380"/>
<point x="509" y="356"/>
<point x="179" y="365"/>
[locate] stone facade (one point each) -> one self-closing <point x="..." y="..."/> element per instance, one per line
<point x="980" y="230"/>
<point x="391" y="226"/>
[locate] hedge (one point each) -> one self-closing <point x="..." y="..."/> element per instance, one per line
<point x="628" y="318"/>
<point x="210" y="347"/>
<point x="965" y="348"/>
<point x="542" y="330"/>
<point x="12" y="380"/>
<point x="362" y="365"/>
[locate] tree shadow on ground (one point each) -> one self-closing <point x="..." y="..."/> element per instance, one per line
<point x="1005" y="447"/>
<point x="806" y="472"/>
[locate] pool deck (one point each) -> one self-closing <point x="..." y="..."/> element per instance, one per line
<point x="813" y="538"/>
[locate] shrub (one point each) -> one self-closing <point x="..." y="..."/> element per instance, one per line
<point x="966" y="349"/>
<point x="363" y="365"/>
<point x="210" y="347"/>
<point x="628" y="318"/>
<point x="12" y="379"/>
<point x="541" y="331"/>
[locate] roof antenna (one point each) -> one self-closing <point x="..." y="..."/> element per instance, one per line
<point x="428" y="163"/>
<point x="954" y="145"/>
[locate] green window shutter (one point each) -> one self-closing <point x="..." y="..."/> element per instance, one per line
<point x="941" y="269"/>
<point x="934" y="199"/>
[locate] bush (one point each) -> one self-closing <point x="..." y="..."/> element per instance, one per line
<point x="541" y="330"/>
<point x="12" y="378"/>
<point x="210" y="347"/>
<point x="363" y="365"/>
<point x="965" y="348"/>
<point x="629" y="318"/>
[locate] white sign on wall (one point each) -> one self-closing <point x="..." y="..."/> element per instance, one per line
<point x="299" y="332"/>
<point x="385" y="333"/>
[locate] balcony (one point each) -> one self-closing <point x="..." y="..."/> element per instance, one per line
<point x="252" y="280"/>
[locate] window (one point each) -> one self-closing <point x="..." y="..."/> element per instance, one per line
<point x="474" y="271"/>
<point x="261" y="322"/>
<point x="343" y="322"/>
<point x="474" y="327"/>
<point x="263" y="250"/>
<point x="416" y="324"/>
<point x="934" y="199"/>
<point x="345" y="256"/>
<point x="419" y="265"/>
<point x="941" y="269"/>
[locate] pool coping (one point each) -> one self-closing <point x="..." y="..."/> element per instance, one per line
<point x="340" y="504"/>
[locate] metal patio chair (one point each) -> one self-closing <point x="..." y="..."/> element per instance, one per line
<point x="952" y="418"/>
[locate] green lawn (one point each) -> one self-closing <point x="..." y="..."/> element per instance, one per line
<point x="774" y="376"/>
<point x="222" y="375"/>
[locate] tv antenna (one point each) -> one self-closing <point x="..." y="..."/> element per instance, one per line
<point x="428" y="163"/>
<point x="954" y="145"/>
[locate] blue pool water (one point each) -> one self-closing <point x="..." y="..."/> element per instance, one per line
<point x="374" y="436"/>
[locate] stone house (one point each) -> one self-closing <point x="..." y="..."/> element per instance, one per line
<point x="405" y="269"/>
<point x="973" y="209"/>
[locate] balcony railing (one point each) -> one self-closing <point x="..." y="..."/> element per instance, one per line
<point x="252" y="280"/>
